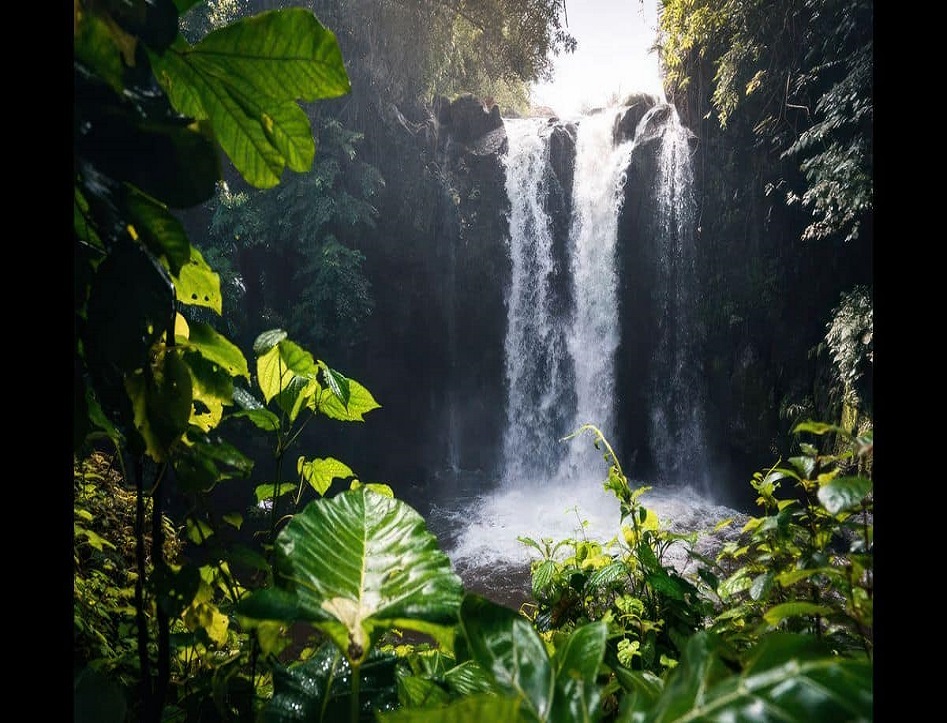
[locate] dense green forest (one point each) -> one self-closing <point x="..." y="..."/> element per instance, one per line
<point x="323" y="596"/>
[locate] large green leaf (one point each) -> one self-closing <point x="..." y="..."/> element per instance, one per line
<point x="576" y="664"/>
<point x="246" y="79"/>
<point x="319" y="690"/>
<point x="787" y="677"/>
<point x="358" y="564"/>
<point x="284" y="54"/>
<point x="506" y="645"/>
<point x="844" y="493"/>
<point x="469" y="709"/>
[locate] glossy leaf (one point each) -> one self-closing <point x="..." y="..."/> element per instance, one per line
<point x="267" y="340"/>
<point x="608" y="574"/>
<point x="358" y="564"/>
<point x="506" y="645"/>
<point x="319" y="690"/>
<point x="761" y="585"/>
<point x="844" y="493"/>
<point x="204" y="461"/>
<point x="576" y="664"/>
<point x="337" y="384"/>
<point x="786" y="678"/>
<point x="415" y="691"/>
<point x="643" y="683"/>
<point x="468" y="678"/>
<point x="805" y="466"/>
<point x="673" y="587"/>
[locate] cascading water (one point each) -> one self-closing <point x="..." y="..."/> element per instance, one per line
<point x="560" y="358"/>
<point x="539" y="382"/>
<point x="600" y="169"/>
<point x="677" y="424"/>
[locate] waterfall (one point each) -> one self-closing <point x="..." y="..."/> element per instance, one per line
<point x="677" y="424"/>
<point x="562" y="342"/>
<point x="600" y="172"/>
<point x="560" y="366"/>
<point x="538" y="381"/>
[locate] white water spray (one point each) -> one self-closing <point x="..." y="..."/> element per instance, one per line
<point x="560" y="367"/>
<point x="600" y="171"/>
<point x="536" y="375"/>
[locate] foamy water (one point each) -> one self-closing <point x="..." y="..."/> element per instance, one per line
<point x="480" y="533"/>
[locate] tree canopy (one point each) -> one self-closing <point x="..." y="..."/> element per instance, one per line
<point x="800" y="72"/>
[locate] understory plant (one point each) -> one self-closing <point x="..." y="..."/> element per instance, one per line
<point x="806" y="564"/>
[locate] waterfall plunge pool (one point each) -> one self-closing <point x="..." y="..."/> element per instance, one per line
<point x="478" y="524"/>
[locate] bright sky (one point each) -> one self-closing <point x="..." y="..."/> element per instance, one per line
<point x="612" y="56"/>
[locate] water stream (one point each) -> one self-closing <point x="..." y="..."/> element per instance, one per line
<point x="560" y="363"/>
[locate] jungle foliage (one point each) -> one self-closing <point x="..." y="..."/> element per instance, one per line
<point x="293" y="604"/>
<point x="491" y="48"/>
<point x="800" y="72"/>
<point x="289" y="256"/>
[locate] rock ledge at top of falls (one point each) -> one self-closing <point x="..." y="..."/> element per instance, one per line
<point x="468" y="121"/>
